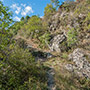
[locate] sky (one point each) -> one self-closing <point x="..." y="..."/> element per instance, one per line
<point x="22" y="8"/>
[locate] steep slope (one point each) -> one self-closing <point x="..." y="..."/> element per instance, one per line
<point x="66" y="39"/>
<point x="70" y="28"/>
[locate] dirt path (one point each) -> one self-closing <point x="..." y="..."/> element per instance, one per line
<point x="32" y="42"/>
<point x="28" y="41"/>
<point x="51" y="81"/>
<point x="50" y="72"/>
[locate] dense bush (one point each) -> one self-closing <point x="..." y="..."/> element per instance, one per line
<point x="49" y="11"/>
<point x="16" y="27"/>
<point x="5" y="21"/>
<point x="88" y="1"/>
<point x="18" y="69"/>
<point x="33" y="28"/>
<point x="21" y="43"/>
<point x="44" y="39"/>
<point x="72" y="37"/>
<point x="21" y="72"/>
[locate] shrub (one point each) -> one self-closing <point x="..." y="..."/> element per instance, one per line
<point x="21" y="43"/>
<point x="33" y="28"/>
<point x="72" y="37"/>
<point x="88" y="1"/>
<point x="44" y="38"/>
<point x="64" y="56"/>
<point x="88" y="17"/>
<point x="49" y="11"/>
<point x="21" y="72"/>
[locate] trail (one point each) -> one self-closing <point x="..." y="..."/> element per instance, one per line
<point x="50" y="72"/>
<point x="51" y="81"/>
<point x="28" y="41"/>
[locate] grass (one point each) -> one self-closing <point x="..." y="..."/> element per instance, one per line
<point x="64" y="79"/>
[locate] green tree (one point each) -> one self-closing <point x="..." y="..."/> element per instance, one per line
<point x="55" y="2"/>
<point x="5" y="21"/>
<point x="68" y="1"/>
<point x="18" y="69"/>
<point x="49" y="10"/>
<point x="22" y="18"/>
<point x="5" y="17"/>
<point x="33" y="28"/>
<point x="27" y="17"/>
<point x="16" y="27"/>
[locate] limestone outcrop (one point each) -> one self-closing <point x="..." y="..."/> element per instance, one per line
<point x="56" y="41"/>
<point x="81" y="65"/>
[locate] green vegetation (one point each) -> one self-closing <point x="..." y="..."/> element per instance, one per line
<point x="88" y="1"/>
<point x="44" y="39"/>
<point x="5" y="21"/>
<point x="18" y="69"/>
<point x="24" y="42"/>
<point x="49" y="11"/>
<point x="88" y="17"/>
<point x="33" y="28"/>
<point x="20" y="72"/>
<point x="72" y="37"/>
<point x="17" y="25"/>
<point x="55" y="2"/>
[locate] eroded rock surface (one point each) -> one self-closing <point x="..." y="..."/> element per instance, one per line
<point x="81" y="65"/>
<point x="56" y="41"/>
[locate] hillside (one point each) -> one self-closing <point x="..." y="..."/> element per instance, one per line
<point x="49" y="53"/>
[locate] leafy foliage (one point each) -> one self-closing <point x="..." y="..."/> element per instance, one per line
<point x="5" y="21"/>
<point x="72" y="37"/>
<point x="18" y="69"/>
<point x="44" y="38"/>
<point x="55" y="2"/>
<point x="16" y="27"/>
<point x="22" y="18"/>
<point x="5" y="17"/>
<point x="49" y="10"/>
<point x="33" y="28"/>
<point x="88" y="1"/>
<point x="69" y="5"/>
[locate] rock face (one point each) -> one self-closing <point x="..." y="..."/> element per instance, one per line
<point x="81" y="66"/>
<point x="56" y="41"/>
<point x="54" y="24"/>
